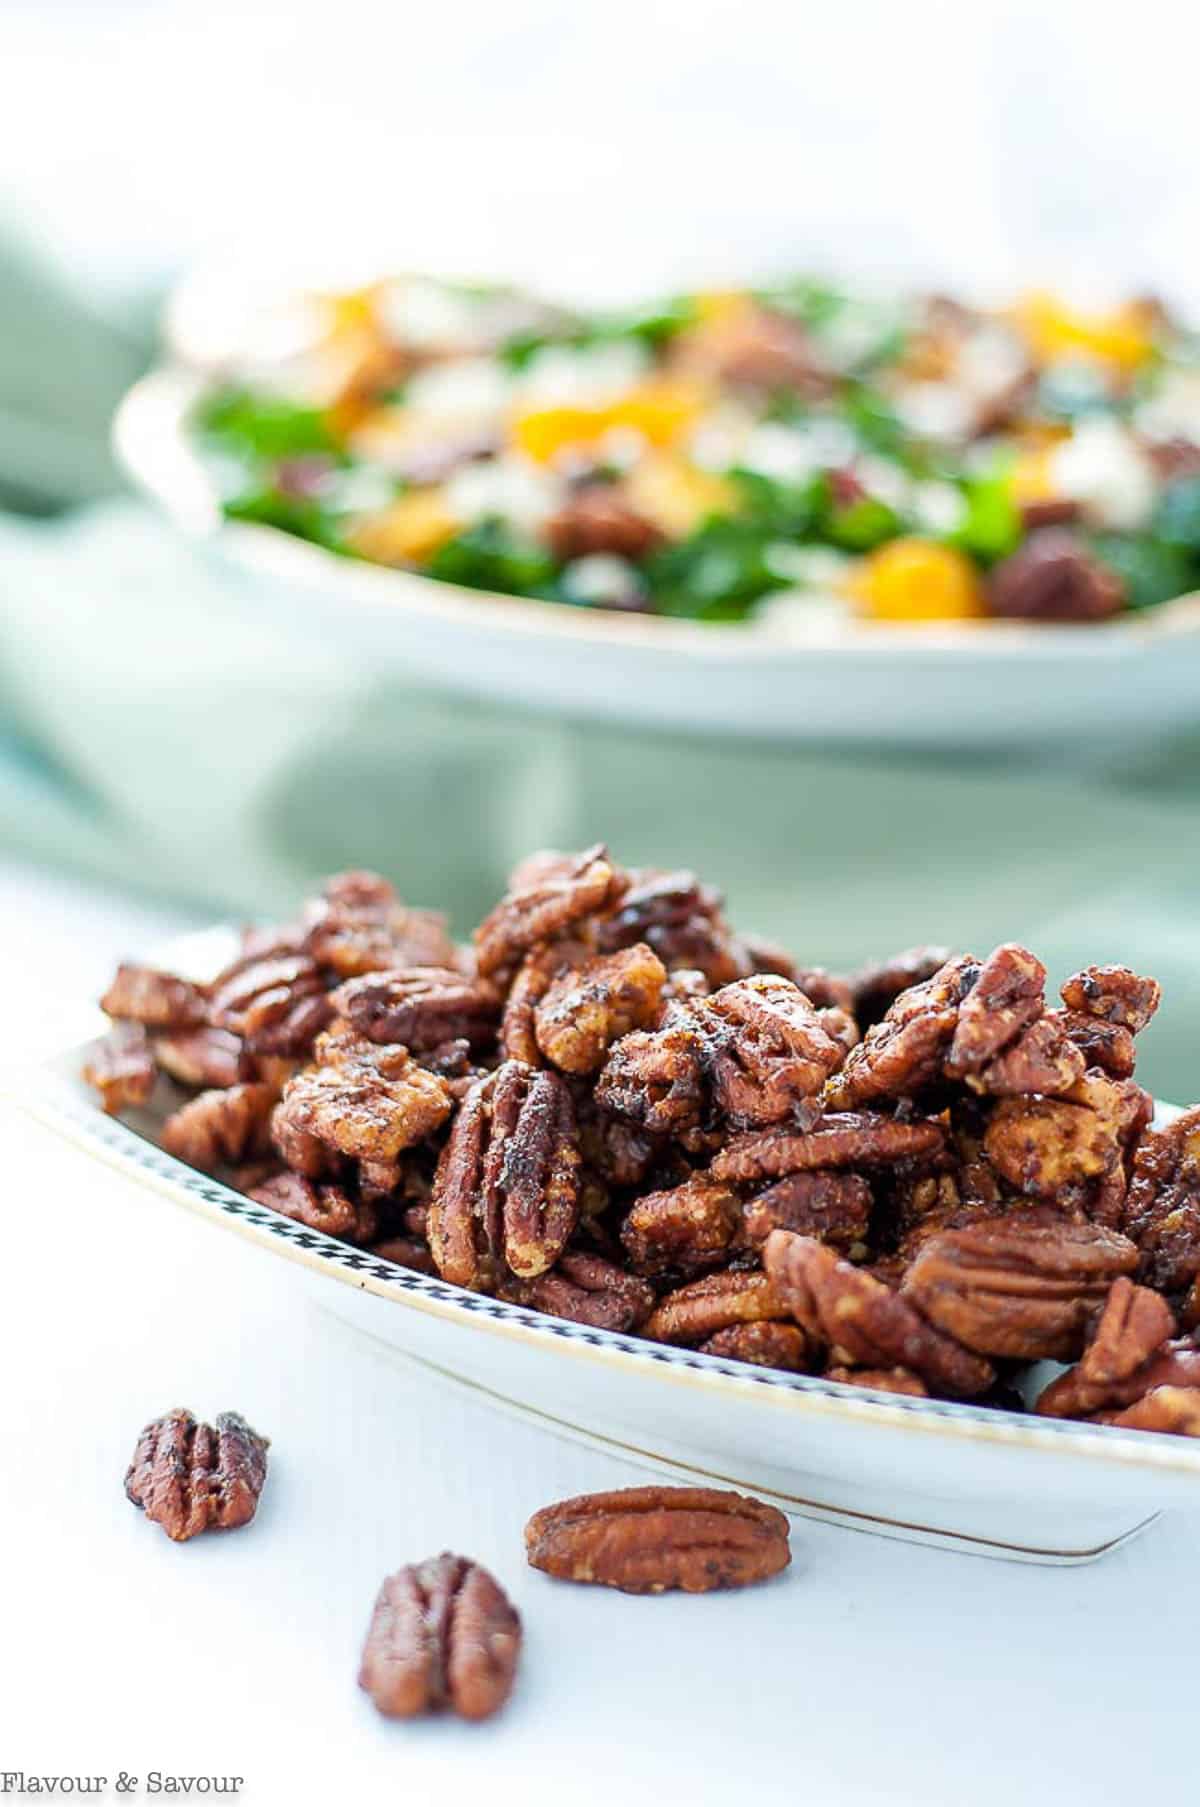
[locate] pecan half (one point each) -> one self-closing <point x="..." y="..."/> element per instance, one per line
<point x="1162" y="1209"/>
<point x="1133" y="1326"/>
<point x="443" y="1636"/>
<point x="190" y="1477"/>
<point x="1008" y="996"/>
<point x="1008" y="1288"/>
<point x="598" y="517"/>
<point x="221" y="1128"/>
<point x="655" y="1078"/>
<point x="682" y="921"/>
<point x="1113" y="994"/>
<point x="405" y="1251"/>
<point x="904" y="1052"/>
<point x="1174" y="1410"/>
<point x="862" y="1322"/>
<point x="875" y="988"/>
<point x="359" y="1099"/>
<point x="359" y="925"/>
<point x="840" y="1139"/>
<point x="765" y="1049"/>
<point x="583" y="1012"/>
<point x="648" y="1540"/>
<point x="1045" y="1058"/>
<point x="506" y="1194"/>
<point x="881" y="1380"/>
<point x="1053" y="577"/>
<point x="424" y="1007"/>
<point x="699" y="1310"/>
<point x="326" y="1208"/>
<point x="143" y="994"/>
<point x="685" y="1230"/>
<point x="587" y="1289"/>
<point x="203" y="1057"/>
<point x="1102" y="1044"/>
<point x="277" y="1005"/>
<point x="558" y="896"/>
<point x="120" y="1066"/>
<point x="764" y="1343"/>
<point x="833" y="1207"/>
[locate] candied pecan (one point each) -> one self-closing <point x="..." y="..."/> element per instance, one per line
<point x="584" y="1012"/>
<point x="1008" y="995"/>
<point x="862" y="1322"/>
<point x="839" y="1139"/>
<point x="873" y="989"/>
<point x="359" y="1099"/>
<point x="326" y="1208"/>
<point x="646" y="1540"/>
<point x="587" y="1289"/>
<point x="1044" y="1058"/>
<point x="765" y="1049"/>
<point x="599" y="517"/>
<point x="685" y="1230"/>
<point x="833" y="1207"/>
<point x="881" y="1380"/>
<point x="1053" y="577"/>
<point x="556" y="900"/>
<point x="190" y="1477"/>
<point x="424" y="1007"/>
<point x="278" y="1004"/>
<point x="1175" y="1410"/>
<point x="1102" y="1044"/>
<point x="828" y="991"/>
<point x="1134" y="1325"/>
<point x="681" y="920"/>
<point x="1005" y="1287"/>
<point x="120" y="1067"/>
<point x="615" y="1152"/>
<point x="532" y="980"/>
<point x="655" y="1077"/>
<point x="142" y="994"/>
<point x="764" y="1343"/>
<point x="405" y="1251"/>
<point x="221" y="1128"/>
<point x="1113" y="994"/>
<point x="203" y="1057"/>
<point x="1052" y="1146"/>
<point x="767" y="956"/>
<point x="443" y="1636"/>
<point x="699" y="1310"/>
<point x="1175" y="1363"/>
<point x="506" y="1195"/>
<point x="359" y="925"/>
<point x="904" y="1051"/>
<point x="1162" y="1209"/>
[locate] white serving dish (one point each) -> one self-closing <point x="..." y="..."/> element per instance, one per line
<point x="993" y="1483"/>
<point x="831" y="680"/>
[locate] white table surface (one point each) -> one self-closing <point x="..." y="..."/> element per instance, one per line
<point x="872" y="1672"/>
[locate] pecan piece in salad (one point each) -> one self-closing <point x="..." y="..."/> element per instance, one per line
<point x="1053" y="577"/>
<point x="507" y="1191"/>
<point x="444" y="1636"/>
<point x="190" y="1477"/>
<point x="599" y="517"/>
<point x="649" y="1540"/>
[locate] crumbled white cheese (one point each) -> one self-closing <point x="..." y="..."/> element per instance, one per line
<point x="937" y="507"/>
<point x="815" y="615"/>
<point x="789" y="454"/>
<point x="601" y="578"/>
<point x="812" y="567"/>
<point x="934" y="410"/>
<point x="426" y="314"/>
<point x="461" y="389"/>
<point x="1173" y="410"/>
<point x="1102" y="467"/>
<point x="990" y="360"/>
<point x="515" y="489"/>
<point x="566" y="376"/>
<point x="884" y="480"/>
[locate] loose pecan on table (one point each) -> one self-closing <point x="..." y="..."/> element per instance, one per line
<point x="189" y="1477"/>
<point x="649" y="1540"/>
<point x="444" y="1636"/>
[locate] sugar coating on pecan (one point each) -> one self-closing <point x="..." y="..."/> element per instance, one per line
<point x="277" y="1004"/>
<point x="1103" y="1044"/>
<point x="875" y="988"/>
<point x="1173" y="1410"/>
<point x="764" y="1049"/>
<point x="159" y="1000"/>
<point x="904" y="1052"/>
<point x="881" y="1380"/>
<point x="587" y="1289"/>
<point x="764" y="1343"/>
<point x="358" y="1099"/>
<point x="359" y="925"/>
<point x="423" y="1007"/>
<point x="833" y="1207"/>
<point x="655" y="1077"/>
<point x="1043" y="1059"/>
<point x="507" y="1190"/>
<point x="863" y="1323"/>
<point x="694" y="1312"/>
<point x="557" y="898"/>
<point x="1008" y="996"/>
<point x="120" y="1067"/>
<point x="203" y="1057"/>
<point x="329" y="1209"/>
<point x="443" y="1636"/>
<point x="1133" y="1326"/>
<point x="682" y="920"/>
<point x="584" y="1011"/>
<point x="1162" y="1208"/>
<point x="190" y="1477"/>
<point x="1026" y="1292"/>
<point x="1053" y="1147"/>
<point x="683" y="1230"/>
<point x="222" y="1127"/>
<point x="1113" y="994"/>
<point x="839" y="1139"/>
<point x="648" y="1540"/>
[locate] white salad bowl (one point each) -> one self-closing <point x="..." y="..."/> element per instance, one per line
<point x="800" y="673"/>
<point x="969" y="1478"/>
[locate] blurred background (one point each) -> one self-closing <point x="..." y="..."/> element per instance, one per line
<point x="170" y="752"/>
